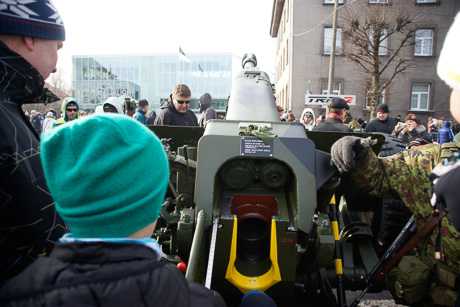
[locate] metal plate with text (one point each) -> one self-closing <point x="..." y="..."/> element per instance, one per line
<point x="254" y="147"/>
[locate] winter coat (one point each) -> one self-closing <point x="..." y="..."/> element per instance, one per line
<point x="36" y="123"/>
<point x="29" y="224"/>
<point x="140" y="116"/>
<point x="151" y="117"/>
<point x="418" y="136"/>
<point x="445" y="134"/>
<point x="207" y="111"/>
<point x="104" y="274"/>
<point x="48" y="123"/>
<point x="385" y="126"/>
<point x="170" y="117"/>
<point x="332" y="124"/>
<point x="310" y="126"/>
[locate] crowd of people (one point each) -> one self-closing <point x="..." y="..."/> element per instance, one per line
<point x="63" y="243"/>
<point x="410" y="130"/>
<point x="174" y="112"/>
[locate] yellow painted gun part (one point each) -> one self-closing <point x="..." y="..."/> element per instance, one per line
<point x="332" y="200"/>
<point x="335" y="232"/>
<point x="338" y="266"/>
<point x="248" y="283"/>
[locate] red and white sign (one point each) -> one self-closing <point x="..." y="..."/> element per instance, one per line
<point x="323" y="99"/>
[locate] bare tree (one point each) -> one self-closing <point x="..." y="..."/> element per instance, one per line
<point x="367" y="29"/>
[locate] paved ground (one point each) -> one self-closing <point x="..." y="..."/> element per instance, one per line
<point x="382" y="299"/>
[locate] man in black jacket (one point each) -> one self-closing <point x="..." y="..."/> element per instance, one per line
<point x="176" y="112"/>
<point x="383" y="123"/>
<point x="30" y="36"/>
<point x="337" y="109"/>
<point x="109" y="258"/>
<point x="35" y="121"/>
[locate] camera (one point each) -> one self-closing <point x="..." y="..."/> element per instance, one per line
<point x="403" y="125"/>
<point x="130" y="106"/>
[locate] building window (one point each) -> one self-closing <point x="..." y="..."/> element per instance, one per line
<point x="420" y="96"/>
<point x="381" y="100"/>
<point x="287" y="51"/>
<point x="328" y="41"/>
<point x="332" y="1"/>
<point x="427" y="1"/>
<point x="383" y="44"/>
<point x="336" y="88"/>
<point x="423" y="42"/>
<point x="378" y="1"/>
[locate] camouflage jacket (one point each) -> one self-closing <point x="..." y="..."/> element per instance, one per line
<point x="353" y="124"/>
<point x="406" y="175"/>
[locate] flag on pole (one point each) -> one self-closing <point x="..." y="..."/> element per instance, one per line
<point x="200" y="68"/>
<point x="183" y="56"/>
<point x="308" y="88"/>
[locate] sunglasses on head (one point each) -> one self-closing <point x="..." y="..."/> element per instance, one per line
<point x="182" y="101"/>
<point x="72" y="110"/>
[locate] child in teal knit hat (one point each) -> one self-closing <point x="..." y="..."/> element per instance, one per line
<point x="108" y="176"/>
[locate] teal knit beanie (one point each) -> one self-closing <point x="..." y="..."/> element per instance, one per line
<point x="107" y="174"/>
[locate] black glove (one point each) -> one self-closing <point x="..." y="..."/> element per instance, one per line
<point x="350" y="151"/>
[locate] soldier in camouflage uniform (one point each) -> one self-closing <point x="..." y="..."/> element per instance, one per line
<point x="351" y="122"/>
<point x="406" y="175"/>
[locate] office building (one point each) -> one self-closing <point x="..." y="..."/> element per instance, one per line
<point x="152" y="76"/>
<point x="304" y="29"/>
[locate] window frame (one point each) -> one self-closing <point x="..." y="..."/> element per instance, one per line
<point x="338" y="39"/>
<point x="333" y="2"/>
<point x="366" y="100"/>
<point x="426" y="2"/>
<point x="334" y="92"/>
<point x="378" y="2"/>
<point x="428" y="96"/>
<point x="383" y="44"/>
<point x="421" y="47"/>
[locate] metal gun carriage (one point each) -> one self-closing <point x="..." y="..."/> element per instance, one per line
<point x="249" y="206"/>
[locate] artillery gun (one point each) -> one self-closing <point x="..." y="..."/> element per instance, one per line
<point x="249" y="207"/>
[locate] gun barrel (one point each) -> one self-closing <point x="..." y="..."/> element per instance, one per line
<point x="251" y="96"/>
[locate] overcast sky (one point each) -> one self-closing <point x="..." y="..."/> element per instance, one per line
<point x="161" y="26"/>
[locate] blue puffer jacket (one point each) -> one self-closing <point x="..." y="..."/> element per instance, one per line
<point x="445" y="134"/>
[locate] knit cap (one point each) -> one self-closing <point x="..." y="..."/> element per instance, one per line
<point x="449" y="62"/>
<point x="107" y="174"/>
<point x="383" y="107"/>
<point x="31" y="18"/>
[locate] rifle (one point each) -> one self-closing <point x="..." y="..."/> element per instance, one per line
<point x="414" y="241"/>
<point x="383" y="266"/>
<point x="377" y="269"/>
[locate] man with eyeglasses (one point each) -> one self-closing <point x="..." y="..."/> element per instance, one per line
<point x="175" y="111"/>
<point x="70" y="109"/>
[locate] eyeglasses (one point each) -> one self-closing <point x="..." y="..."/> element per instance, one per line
<point x="182" y="101"/>
<point x="71" y="110"/>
